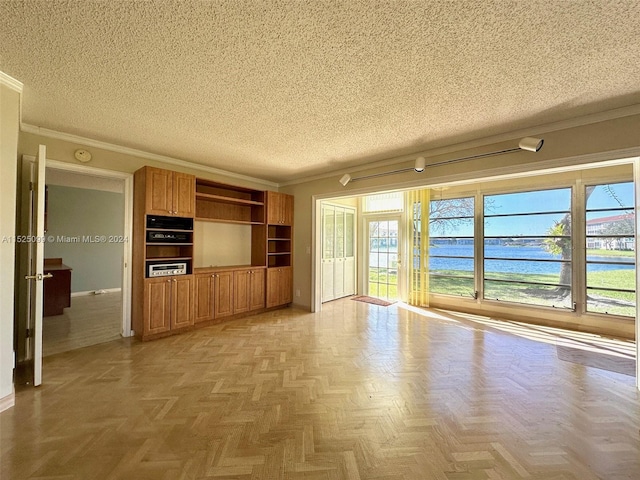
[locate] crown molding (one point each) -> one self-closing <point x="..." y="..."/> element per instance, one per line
<point x="534" y="131"/>
<point x="68" y="137"/>
<point x="11" y="82"/>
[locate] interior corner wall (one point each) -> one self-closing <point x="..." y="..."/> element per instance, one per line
<point x="568" y="146"/>
<point x="9" y="125"/>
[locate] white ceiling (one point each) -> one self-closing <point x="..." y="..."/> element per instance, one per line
<point x="283" y="89"/>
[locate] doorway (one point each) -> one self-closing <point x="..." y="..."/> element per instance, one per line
<point x="85" y="222"/>
<point x="26" y="332"/>
<point x="383" y="257"/>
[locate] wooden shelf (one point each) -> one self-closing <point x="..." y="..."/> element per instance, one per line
<point x="224" y="220"/>
<point x="155" y="259"/>
<point x="168" y="244"/>
<point x="224" y="199"/>
<point x="155" y="229"/>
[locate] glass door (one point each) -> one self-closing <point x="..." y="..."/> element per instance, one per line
<point x="384" y="257"/>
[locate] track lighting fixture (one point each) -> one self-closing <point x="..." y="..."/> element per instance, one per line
<point x="529" y="144"/>
<point x="346" y="178"/>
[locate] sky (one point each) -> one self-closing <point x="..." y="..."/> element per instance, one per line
<point x="558" y="200"/>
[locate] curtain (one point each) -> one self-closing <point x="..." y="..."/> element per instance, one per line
<point x="418" y="228"/>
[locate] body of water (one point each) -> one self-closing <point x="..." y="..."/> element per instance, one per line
<point x="507" y="259"/>
<point x="521" y="260"/>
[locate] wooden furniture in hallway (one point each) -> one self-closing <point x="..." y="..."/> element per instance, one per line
<point x="57" y="289"/>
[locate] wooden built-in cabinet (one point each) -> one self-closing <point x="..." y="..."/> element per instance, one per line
<point x="279" y="249"/>
<point x="167" y="192"/>
<point x="280" y="209"/>
<point x="167" y="304"/>
<point x="248" y="290"/>
<point x="279" y="286"/>
<point x="223" y="293"/>
<point x="205" y="294"/>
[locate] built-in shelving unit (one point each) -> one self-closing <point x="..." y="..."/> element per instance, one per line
<point x="216" y="202"/>
<point x="279" y="246"/>
<point x="173" y="288"/>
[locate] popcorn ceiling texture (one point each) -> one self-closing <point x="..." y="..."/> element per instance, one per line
<point x="285" y="89"/>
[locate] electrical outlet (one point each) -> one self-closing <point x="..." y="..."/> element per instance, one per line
<point x="297" y="292"/>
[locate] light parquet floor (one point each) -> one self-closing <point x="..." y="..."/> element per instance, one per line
<point x="91" y="319"/>
<point x="356" y="391"/>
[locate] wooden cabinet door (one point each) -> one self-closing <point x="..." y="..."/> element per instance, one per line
<point x="241" y="281"/>
<point x="257" y="289"/>
<point x="279" y="209"/>
<point x="287" y="209"/>
<point x="203" y="298"/>
<point x="182" y="302"/>
<point x="157" y="306"/>
<point x="273" y="293"/>
<point x="159" y="188"/>
<point x="184" y="194"/>
<point x="279" y="286"/>
<point x="286" y="285"/>
<point x="223" y="294"/>
<point x="274" y="208"/>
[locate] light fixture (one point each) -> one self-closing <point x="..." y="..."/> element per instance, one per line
<point x="530" y="144"/>
<point x="346" y="178"/>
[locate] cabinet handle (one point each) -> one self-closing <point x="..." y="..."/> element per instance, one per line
<point x="174" y="280"/>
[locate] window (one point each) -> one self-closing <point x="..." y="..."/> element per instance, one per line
<point x="527" y="247"/>
<point x="383" y="202"/>
<point x="610" y="242"/>
<point x="451" y="246"/>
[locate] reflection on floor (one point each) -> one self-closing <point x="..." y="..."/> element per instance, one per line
<point x="355" y="391"/>
<point x="91" y="319"/>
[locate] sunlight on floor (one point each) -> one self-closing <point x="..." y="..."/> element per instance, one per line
<point x="555" y="336"/>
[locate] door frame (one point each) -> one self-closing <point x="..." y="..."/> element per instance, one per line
<point x="127" y="178"/>
<point x="355" y="243"/>
<point x="364" y="271"/>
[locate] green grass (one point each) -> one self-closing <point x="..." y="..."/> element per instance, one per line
<point x="384" y="284"/>
<point x="610" y="253"/>
<point x="618" y="303"/>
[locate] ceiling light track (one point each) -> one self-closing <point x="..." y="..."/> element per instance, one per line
<point x="529" y="144"/>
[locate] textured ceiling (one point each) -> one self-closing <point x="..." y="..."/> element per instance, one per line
<point x="286" y="89"/>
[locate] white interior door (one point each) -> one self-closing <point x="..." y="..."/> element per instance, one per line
<point x="338" y="252"/>
<point x="35" y="277"/>
<point x="328" y="260"/>
<point x="349" y="251"/>
<point x="338" y="269"/>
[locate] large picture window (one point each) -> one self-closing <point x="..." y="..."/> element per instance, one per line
<point x="610" y="242"/>
<point x="451" y="246"/>
<point x="527" y="248"/>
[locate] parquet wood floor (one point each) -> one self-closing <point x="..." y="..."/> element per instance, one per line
<point x="356" y="391"/>
<point x="90" y="320"/>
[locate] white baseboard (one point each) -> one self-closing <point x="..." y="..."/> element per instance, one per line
<point x="95" y="292"/>
<point x="7" y="402"/>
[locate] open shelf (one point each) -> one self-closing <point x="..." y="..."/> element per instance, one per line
<point x="217" y="202"/>
<point x="224" y="199"/>
<point x="219" y="220"/>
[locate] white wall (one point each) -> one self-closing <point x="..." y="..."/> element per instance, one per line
<point x="9" y="124"/>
